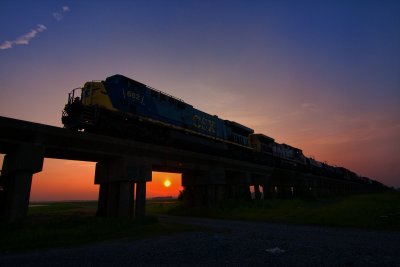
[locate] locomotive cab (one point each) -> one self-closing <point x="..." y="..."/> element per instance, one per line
<point x="95" y="94"/>
<point x="83" y="103"/>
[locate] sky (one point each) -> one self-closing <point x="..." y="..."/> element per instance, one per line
<point x="323" y="76"/>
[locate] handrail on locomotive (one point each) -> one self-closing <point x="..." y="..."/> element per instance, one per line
<point x="71" y="96"/>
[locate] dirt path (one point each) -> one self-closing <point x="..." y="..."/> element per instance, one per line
<point x="228" y="242"/>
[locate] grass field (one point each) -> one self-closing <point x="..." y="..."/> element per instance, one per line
<point x="71" y="223"/>
<point x="372" y="211"/>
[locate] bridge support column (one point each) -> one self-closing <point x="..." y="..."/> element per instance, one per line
<point x="266" y="190"/>
<point x="311" y="188"/>
<point x="257" y="192"/>
<point x="18" y="169"/>
<point x="140" y="199"/>
<point x="266" y="182"/>
<point x="260" y="180"/>
<point x="239" y="185"/>
<point x="204" y="187"/>
<point x="287" y="183"/>
<point x="117" y="179"/>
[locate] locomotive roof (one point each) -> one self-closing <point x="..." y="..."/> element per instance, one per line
<point x="240" y="127"/>
<point x="265" y="138"/>
<point x="291" y="147"/>
<point x="119" y="76"/>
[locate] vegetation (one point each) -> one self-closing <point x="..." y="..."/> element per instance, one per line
<point x="70" y="223"/>
<point x="370" y="211"/>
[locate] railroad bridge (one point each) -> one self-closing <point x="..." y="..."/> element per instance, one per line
<point x="123" y="167"/>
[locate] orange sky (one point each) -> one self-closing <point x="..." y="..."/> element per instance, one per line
<point x="74" y="180"/>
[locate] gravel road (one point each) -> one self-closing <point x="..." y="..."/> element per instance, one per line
<point x="229" y="243"/>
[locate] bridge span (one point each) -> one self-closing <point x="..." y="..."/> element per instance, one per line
<point x="123" y="167"/>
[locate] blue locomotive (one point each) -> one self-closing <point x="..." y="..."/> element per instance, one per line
<point x="108" y="105"/>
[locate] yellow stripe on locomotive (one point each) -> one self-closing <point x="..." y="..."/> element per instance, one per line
<point x="95" y="94"/>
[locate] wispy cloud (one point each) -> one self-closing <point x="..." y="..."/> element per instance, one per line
<point x="24" y="39"/>
<point x="6" y="45"/>
<point x="60" y="15"/>
<point x="57" y="16"/>
<point x="27" y="37"/>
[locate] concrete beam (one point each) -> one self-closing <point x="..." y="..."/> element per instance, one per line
<point x="122" y="169"/>
<point x="213" y="175"/>
<point x="28" y="158"/>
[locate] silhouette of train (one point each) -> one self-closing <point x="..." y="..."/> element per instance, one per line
<point x="122" y="107"/>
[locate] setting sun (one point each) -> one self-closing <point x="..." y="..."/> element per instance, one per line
<point x="164" y="184"/>
<point x="167" y="183"/>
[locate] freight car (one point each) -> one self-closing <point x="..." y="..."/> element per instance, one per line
<point x="126" y="108"/>
<point x="285" y="156"/>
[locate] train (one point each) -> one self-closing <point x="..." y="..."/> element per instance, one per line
<point x="123" y="107"/>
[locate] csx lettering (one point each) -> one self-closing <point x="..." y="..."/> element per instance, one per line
<point x="135" y="96"/>
<point x="204" y="124"/>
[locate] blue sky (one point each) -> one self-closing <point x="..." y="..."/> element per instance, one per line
<point x="320" y="75"/>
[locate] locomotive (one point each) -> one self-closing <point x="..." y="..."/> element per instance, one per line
<point x="123" y="107"/>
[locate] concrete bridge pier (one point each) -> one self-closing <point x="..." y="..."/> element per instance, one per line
<point x="16" y="179"/>
<point x="238" y="185"/>
<point x="288" y="183"/>
<point x="140" y="209"/>
<point x="117" y="179"/>
<point x="266" y="190"/>
<point x="324" y="187"/>
<point x="260" y="180"/>
<point x="257" y="192"/>
<point x="271" y="188"/>
<point x="316" y="186"/>
<point x="310" y="187"/>
<point x="287" y="190"/>
<point x="291" y="181"/>
<point x="279" y="183"/>
<point x="204" y="187"/>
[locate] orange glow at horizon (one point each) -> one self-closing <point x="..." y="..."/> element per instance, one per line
<point x="74" y="180"/>
<point x="64" y="180"/>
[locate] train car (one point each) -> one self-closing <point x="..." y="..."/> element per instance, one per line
<point x="118" y="104"/>
<point x="314" y="166"/>
<point x="285" y="155"/>
<point x="291" y="157"/>
<point x="289" y="152"/>
<point x="329" y="171"/>
<point x="346" y="174"/>
<point x="262" y="143"/>
<point x="237" y="133"/>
